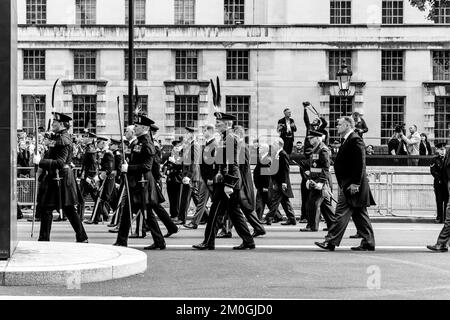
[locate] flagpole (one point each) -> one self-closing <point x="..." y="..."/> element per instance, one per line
<point x="130" y="60"/>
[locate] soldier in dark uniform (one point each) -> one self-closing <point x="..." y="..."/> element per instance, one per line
<point x="107" y="176"/>
<point x="319" y="184"/>
<point x="57" y="188"/>
<point x="226" y="186"/>
<point x="172" y="169"/>
<point x="89" y="169"/>
<point x="141" y="182"/>
<point x="189" y="175"/>
<point x="206" y="168"/>
<point x="261" y="178"/>
<point x="440" y="187"/>
<point x="247" y="192"/>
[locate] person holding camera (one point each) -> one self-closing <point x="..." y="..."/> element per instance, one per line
<point x="412" y="142"/>
<point x="286" y="129"/>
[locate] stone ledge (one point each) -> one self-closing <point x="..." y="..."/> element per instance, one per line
<point x="69" y="264"/>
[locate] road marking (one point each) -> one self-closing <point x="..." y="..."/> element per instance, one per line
<point x="289" y="247"/>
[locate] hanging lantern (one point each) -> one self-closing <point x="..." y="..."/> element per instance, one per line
<point x="344" y="77"/>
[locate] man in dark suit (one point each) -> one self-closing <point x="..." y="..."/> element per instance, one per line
<point x="286" y="129"/>
<point x="354" y="192"/>
<point x="280" y="190"/>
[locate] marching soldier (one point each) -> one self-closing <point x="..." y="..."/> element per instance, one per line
<point x="107" y="181"/>
<point x="319" y="184"/>
<point x="57" y="189"/>
<point x="129" y="142"/>
<point x="190" y="175"/>
<point x="440" y="187"/>
<point x="172" y="169"/>
<point x="141" y="181"/>
<point x="247" y="194"/>
<point x="226" y="188"/>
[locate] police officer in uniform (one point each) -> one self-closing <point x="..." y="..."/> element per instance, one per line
<point x="226" y="186"/>
<point x="319" y="184"/>
<point x="140" y="169"/>
<point x="440" y="187"/>
<point x="57" y="188"/>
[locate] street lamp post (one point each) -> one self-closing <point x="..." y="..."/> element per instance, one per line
<point x="344" y="76"/>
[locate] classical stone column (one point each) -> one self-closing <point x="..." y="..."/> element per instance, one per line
<point x="8" y="127"/>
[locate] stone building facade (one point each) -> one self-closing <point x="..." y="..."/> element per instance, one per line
<point x="268" y="54"/>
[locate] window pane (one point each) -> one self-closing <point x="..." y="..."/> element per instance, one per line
<point x="186" y="113"/>
<point x="28" y="103"/>
<point x="340" y="12"/>
<point x="339" y="107"/>
<point x="84" y="113"/>
<point x="392" y="114"/>
<point x="36" y="11"/>
<point x="34" y="64"/>
<point x="239" y="106"/>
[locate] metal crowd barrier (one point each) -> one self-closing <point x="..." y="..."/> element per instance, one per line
<point x="398" y="191"/>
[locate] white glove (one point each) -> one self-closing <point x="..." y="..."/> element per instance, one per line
<point x="103" y="175"/>
<point x="96" y="179"/>
<point x="88" y="180"/>
<point x="36" y="159"/>
<point x="171" y="159"/>
<point x="307" y="184"/>
<point x="318" y="186"/>
<point x="284" y="186"/>
<point x="124" y="168"/>
<point x="186" y="180"/>
<point x="228" y="191"/>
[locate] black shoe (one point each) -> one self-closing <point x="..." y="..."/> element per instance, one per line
<point x="112" y="225"/>
<point x="268" y="222"/>
<point x="136" y="236"/>
<point x="307" y="229"/>
<point x="155" y="247"/>
<point x="289" y="222"/>
<point x="190" y="226"/>
<point x="356" y="236"/>
<point x="178" y="221"/>
<point x="90" y="222"/>
<point x="84" y="241"/>
<point x="245" y="246"/>
<point x="168" y="234"/>
<point x="257" y="234"/>
<point x="117" y="244"/>
<point x="438" y="221"/>
<point x="325" y="245"/>
<point x="303" y="221"/>
<point x="325" y="229"/>
<point x="438" y="248"/>
<point x="203" y="246"/>
<point x="364" y="247"/>
<point x="115" y="230"/>
<point x="225" y="235"/>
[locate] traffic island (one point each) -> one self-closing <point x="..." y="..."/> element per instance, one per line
<point x="69" y="264"/>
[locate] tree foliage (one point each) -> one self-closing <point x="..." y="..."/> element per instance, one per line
<point x="423" y="5"/>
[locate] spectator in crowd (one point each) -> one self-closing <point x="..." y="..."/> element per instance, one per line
<point x="286" y="129"/>
<point x="360" y="124"/>
<point x="369" y="150"/>
<point x="412" y="142"/>
<point x="424" y="147"/>
<point x="297" y="154"/>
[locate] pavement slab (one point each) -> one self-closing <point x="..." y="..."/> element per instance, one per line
<point x="60" y="263"/>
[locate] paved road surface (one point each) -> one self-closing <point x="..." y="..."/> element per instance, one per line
<point x="286" y="264"/>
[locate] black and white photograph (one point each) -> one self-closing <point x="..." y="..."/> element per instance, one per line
<point x="224" y="156"/>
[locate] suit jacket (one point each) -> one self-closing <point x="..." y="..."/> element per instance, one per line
<point x="283" y="131"/>
<point x="207" y="161"/>
<point x="282" y="174"/>
<point x="350" y="168"/>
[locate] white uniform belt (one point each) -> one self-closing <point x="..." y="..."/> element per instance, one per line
<point x="316" y="170"/>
